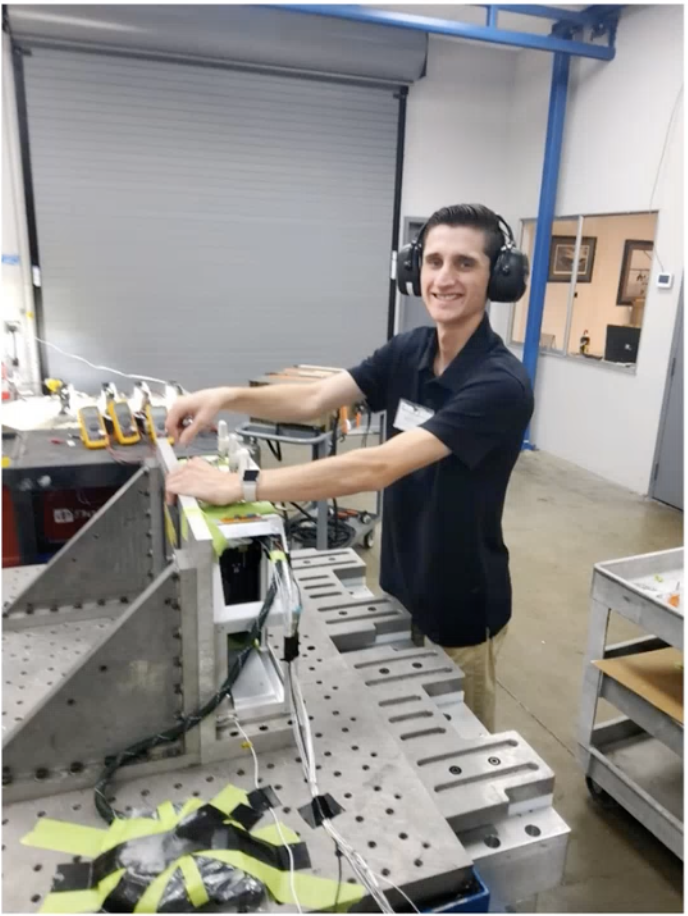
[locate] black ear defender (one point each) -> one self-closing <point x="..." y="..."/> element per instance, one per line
<point x="508" y="278"/>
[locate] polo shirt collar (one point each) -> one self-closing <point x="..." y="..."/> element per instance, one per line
<point x="477" y="345"/>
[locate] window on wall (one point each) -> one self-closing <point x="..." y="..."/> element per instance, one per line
<point x="598" y="276"/>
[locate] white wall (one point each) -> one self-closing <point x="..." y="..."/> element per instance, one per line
<point x="477" y="128"/>
<point x="17" y="291"/>
<point x="457" y="128"/>
<point x="617" y="120"/>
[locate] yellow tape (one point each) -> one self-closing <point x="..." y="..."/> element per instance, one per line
<point x="132" y="828"/>
<point x="193" y="881"/>
<point x="62" y="836"/>
<point x="148" y="903"/>
<point x="313" y="893"/>
<point x="89" y="901"/>
<point x="229" y="798"/>
<point x="169" y="528"/>
<point x="276" y="555"/>
<point x="218" y="538"/>
<point x="168" y="816"/>
<point x="6" y="462"/>
<point x="123" y="831"/>
<point x="193" y="804"/>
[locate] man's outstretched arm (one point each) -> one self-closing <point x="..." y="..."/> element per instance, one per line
<point x="360" y="471"/>
<point x="288" y="403"/>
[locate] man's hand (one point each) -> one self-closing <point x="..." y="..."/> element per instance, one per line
<point x="201" y="408"/>
<point x="197" y="478"/>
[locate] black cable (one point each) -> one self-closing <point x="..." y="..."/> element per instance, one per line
<point x="304" y="531"/>
<point x="275" y="448"/>
<point x="185" y="723"/>
<point x="303" y="511"/>
<point x="338" y="854"/>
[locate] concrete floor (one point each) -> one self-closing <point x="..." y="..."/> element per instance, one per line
<point x="559" y="522"/>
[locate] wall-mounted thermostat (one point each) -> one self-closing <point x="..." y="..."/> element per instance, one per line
<point x="665" y="281"/>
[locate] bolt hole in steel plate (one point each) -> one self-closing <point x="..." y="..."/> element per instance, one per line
<point x="51" y="653"/>
<point x="366" y="797"/>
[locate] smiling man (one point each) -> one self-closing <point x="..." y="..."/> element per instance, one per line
<point x="458" y="403"/>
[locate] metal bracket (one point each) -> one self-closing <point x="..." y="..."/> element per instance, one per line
<point x="135" y="668"/>
<point x="87" y="570"/>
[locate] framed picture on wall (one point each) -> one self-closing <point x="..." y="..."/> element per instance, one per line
<point x="561" y="253"/>
<point x="635" y="271"/>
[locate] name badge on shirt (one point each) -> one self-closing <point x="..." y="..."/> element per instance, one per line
<point x="410" y="415"/>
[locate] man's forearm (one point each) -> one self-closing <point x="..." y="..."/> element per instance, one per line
<point x="361" y="471"/>
<point x="289" y="403"/>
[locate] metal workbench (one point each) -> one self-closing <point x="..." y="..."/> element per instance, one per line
<point x="636" y="758"/>
<point x="428" y="793"/>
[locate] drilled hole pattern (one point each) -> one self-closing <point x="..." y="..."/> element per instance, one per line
<point x="35" y="660"/>
<point x="347" y="737"/>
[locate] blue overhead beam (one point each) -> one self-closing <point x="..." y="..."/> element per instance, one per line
<point x="453" y="29"/>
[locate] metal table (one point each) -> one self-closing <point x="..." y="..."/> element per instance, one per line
<point x="428" y="793"/>
<point x="637" y="758"/>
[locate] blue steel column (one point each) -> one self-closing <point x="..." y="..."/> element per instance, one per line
<point x="543" y="232"/>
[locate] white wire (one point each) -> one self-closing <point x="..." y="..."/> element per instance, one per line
<point x="274" y="816"/>
<point x="304" y="742"/>
<point x="405" y="896"/>
<point x="142" y="378"/>
<point x="301" y="723"/>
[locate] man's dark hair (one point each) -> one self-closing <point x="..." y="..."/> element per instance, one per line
<point x="475" y="215"/>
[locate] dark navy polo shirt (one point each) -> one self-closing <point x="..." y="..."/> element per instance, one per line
<point x="443" y="554"/>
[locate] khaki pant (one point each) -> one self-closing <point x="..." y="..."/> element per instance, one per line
<point x="479" y="665"/>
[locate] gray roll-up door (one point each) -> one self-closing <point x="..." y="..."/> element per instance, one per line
<point x="204" y="224"/>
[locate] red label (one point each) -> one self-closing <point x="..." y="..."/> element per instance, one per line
<point x="66" y="511"/>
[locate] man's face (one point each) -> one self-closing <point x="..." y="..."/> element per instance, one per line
<point x="455" y="273"/>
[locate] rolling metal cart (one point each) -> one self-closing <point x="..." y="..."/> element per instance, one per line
<point x="362" y="524"/>
<point x="636" y="759"/>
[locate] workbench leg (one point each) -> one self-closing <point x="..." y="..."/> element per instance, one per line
<point x="592" y="676"/>
<point x="320" y="451"/>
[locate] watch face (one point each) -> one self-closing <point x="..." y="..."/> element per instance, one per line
<point x="250" y="476"/>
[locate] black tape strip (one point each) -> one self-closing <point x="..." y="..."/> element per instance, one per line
<point x="247" y="817"/>
<point x="322" y="806"/>
<point x="75" y="876"/>
<point x="201" y="830"/>
<point x="291" y="648"/>
<point x="126" y="895"/>
<point x="299" y="851"/>
<point x="263" y="799"/>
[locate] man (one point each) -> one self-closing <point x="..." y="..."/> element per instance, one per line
<point x="458" y="403"/>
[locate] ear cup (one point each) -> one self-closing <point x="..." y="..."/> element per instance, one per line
<point x="509" y="276"/>
<point x="408" y="269"/>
